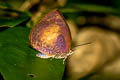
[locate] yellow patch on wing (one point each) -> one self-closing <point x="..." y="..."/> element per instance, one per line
<point x="50" y="34"/>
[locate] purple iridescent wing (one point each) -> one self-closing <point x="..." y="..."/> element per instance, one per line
<point x="51" y="35"/>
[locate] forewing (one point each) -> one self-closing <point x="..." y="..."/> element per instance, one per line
<point x="51" y="35"/>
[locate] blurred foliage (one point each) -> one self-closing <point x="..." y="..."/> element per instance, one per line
<point x="89" y="8"/>
<point x="17" y="58"/>
<point x="10" y="17"/>
<point x="14" y="4"/>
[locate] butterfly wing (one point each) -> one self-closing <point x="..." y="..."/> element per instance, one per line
<point x="51" y="36"/>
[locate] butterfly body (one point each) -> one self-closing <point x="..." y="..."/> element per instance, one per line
<point x="51" y="36"/>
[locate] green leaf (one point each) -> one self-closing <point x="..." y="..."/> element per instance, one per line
<point x="11" y="18"/>
<point x="4" y="5"/>
<point x="73" y="8"/>
<point x="18" y="60"/>
<point x="15" y="4"/>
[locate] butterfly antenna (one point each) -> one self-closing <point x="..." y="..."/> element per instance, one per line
<point x="81" y="45"/>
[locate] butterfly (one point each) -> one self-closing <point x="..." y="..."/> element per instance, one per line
<point x="51" y="36"/>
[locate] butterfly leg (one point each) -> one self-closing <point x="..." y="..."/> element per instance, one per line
<point x="64" y="59"/>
